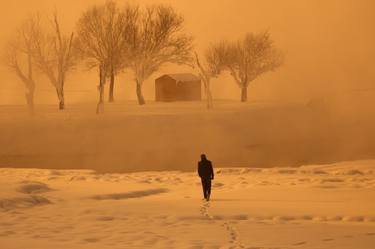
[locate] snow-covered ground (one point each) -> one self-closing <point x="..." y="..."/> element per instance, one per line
<point x="321" y="206"/>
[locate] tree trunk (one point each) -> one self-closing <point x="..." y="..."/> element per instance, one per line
<point x="209" y="99"/>
<point x="141" y="100"/>
<point x="244" y="94"/>
<point x="100" y="106"/>
<point x="208" y="96"/>
<point x="60" y="95"/>
<point x="111" y="87"/>
<point x="29" y="95"/>
<point x="29" y="84"/>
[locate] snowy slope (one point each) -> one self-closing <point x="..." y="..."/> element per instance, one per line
<point x="319" y="206"/>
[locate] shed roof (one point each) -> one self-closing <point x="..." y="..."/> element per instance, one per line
<point x="182" y="77"/>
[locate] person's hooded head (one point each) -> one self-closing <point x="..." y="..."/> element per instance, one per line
<point x="203" y="157"/>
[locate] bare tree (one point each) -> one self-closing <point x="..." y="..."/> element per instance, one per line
<point x="90" y="42"/>
<point x="53" y="54"/>
<point x="119" y="34"/>
<point x="158" y="38"/>
<point x="18" y="57"/>
<point x="103" y="42"/>
<point x="213" y="66"/>
<point x="251" y="57"/>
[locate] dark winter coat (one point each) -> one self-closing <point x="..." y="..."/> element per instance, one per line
<point x="205" y="170"/>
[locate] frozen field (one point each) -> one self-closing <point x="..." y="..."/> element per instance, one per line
<point x="171" y="136"/>
<point x="318" y="207"/>
<point x="126" y="179"/>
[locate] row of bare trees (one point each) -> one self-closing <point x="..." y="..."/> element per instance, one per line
<point x="245" y="59"/>
<point x="142" y="41"/>
<point x="48" y="51"/>
<point x="113" y="40"/>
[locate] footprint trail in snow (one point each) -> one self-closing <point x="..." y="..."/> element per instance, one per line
<point x="233" y="234"/>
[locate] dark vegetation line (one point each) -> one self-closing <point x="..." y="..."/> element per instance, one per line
<point x="112" y="40"/>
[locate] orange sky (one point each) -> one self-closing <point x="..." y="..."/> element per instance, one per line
<point x="329" y="45"/>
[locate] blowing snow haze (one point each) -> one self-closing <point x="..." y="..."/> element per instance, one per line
<point x="328" y="45"/>
<point x="316" y="108"/>
<point x="277" y="94"/>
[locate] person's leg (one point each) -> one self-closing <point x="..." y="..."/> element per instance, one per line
<point x="204" y="188"/>
<point x="208" y="189"/>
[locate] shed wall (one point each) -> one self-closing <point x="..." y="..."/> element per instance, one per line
<point x="167" y="89"/>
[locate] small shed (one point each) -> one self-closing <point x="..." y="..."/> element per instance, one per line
<point x="178" y="87"/>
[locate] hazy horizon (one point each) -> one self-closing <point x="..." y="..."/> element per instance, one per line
<point x="290" y="165"/>
<point x="328" y="47"/>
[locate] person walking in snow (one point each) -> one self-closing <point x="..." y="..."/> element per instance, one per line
<point x="206" y="173"/>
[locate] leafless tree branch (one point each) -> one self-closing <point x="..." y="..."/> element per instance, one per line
<point x="251" y="57"/>
<point x="157" y="39"/>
